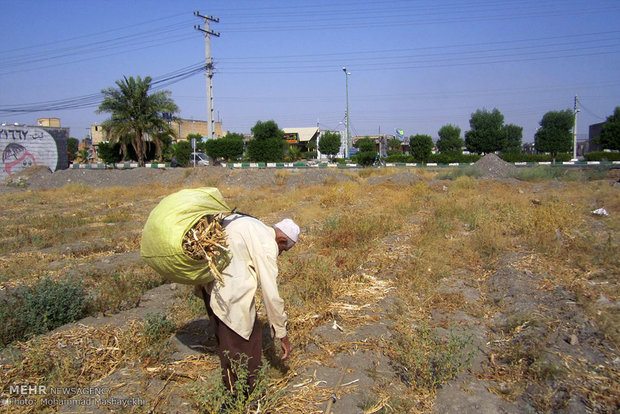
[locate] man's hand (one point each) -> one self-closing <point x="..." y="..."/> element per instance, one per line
<point x="286" y="347"/>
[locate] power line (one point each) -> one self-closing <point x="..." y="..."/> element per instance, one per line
<point x="94" y="99"/>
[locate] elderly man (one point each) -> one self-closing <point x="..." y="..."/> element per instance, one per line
<point x="255" y="248"/>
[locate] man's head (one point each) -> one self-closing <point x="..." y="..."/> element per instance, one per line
<point x="287" y="233"/>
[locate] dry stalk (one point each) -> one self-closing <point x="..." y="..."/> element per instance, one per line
<point x="206" y="240"/>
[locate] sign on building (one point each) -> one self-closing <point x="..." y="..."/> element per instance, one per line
<point x="25" y="146"/>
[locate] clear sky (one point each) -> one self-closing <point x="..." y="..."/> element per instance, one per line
<point x="415" y="65"/>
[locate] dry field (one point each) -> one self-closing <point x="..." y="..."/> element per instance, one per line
<point x="421" y="291"/>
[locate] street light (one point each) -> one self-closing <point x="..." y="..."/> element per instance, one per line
<point x="346" y="75"/>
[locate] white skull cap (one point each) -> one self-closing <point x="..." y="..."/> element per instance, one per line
<point x="288" y="227"/>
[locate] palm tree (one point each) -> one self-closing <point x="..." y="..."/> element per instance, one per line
<point x="135" y="115"/>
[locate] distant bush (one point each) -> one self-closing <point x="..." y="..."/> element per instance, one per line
<point x="445" y="158"/>
<point x="310" y="155"/>
<point x="602" y="156"/>
<point x="518" y="157"/>
<point x="182" y="151"/>
<point x="31" y="310"/>
<point x="109" y="153"/>
<point x="452" y="157"/>
<point x="365" y="158"/>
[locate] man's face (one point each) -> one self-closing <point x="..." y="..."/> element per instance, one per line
<point x="284" y="243"/>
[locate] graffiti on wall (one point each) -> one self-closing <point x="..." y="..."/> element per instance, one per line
<point x="24" y="147"/>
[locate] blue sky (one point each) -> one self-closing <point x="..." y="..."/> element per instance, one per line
<point x="415" y="65"/>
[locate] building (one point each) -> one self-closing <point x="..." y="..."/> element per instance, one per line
<point x="26" y="146"/>
<point x="301" y="136"/>
<point x="181" y="127"/>
<point x="185" y="127"/>
<point x="49" y="122"/>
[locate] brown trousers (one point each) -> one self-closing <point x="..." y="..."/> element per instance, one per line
<point x="232" y="347"/>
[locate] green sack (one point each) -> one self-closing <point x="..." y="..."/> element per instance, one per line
<point x="162" y="236"/>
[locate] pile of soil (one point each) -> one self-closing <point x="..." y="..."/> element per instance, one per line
<point x="493" y="167"/>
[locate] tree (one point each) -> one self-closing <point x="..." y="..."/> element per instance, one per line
<point x="513" y="135"/>
<point x="394" y="144"/>
<point x="610" y="134"/>
<point x="182" y="151"/>
<point x="421" y="147"/>
<point x="486" y="134"/>
<point x="109" y="153"/>
<point x="366" y="145"/>
<point x="267" y="130"/>
<point x="450" y="140"/>
<point x="554" y="135"/>
<point x="135" y="115"/>
<point x="229" y="147"/>
<point x="329" y="143"/>
<point x="367" y="151"/>
<point x="268" y="142"/>
<point x="72" y="147"/>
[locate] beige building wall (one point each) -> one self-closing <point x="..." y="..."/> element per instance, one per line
<point x="49" y="122"/>
<point x="184" y="127"/>
<point x="96" y="134"/>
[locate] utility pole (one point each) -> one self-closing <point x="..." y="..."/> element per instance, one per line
<point x="209" y="65"/>
<point x="575" y="111"/>
<point x="346" y="74"/>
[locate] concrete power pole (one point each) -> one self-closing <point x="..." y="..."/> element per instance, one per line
<point x="209" y="64"/>
<point x="575" y="111"/>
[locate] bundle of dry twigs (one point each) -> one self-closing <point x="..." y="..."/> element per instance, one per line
<point x="207" y="240"/>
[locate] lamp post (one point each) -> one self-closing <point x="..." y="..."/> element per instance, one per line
<point x="346" y="75"/>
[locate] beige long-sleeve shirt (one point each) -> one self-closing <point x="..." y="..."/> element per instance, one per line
<point x="254" y="258"/>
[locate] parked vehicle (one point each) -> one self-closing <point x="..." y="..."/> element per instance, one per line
<point x="198" y="158"/>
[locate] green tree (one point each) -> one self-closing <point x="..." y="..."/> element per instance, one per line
<point x="229" y="147"/>
<point x="268" y="142"/>
<point x="109" y="152"/>
<point x="513" y="135"/>
<point x="610" y="134"/>
<point x="367" y="151"/>
<point x="421" y="147"/>
<point x="486" y="134"/>
<point x="366" y="145"/>
<point x="135" y="114"/>
<point x="394" y="144"/>
<point x="267" y="130"/>
<point x="450" y="140"/>
<point x="182" y="151"/>
<point x="72" y="147"/>
<point x="329" y="143"/>
<point x="554" y="135"/>
<point x="294" y="153"/>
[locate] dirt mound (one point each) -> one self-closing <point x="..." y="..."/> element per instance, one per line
<point x="493" y="167"/>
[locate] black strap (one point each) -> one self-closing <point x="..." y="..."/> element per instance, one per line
<point x="207" y="300"/>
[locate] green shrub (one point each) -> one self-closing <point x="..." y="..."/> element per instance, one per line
<point x="212" y="396"/>
<point x="602" y="156"/>
<point x="518" y="157"/>
<point x="453" y="157"/>
<point x="429" y="361"/>
<point x="365" y="158"/>
<point x="310" y="155"/>
<point x="399" y="158"/>
<point x="266" y="150"/>
<point x="31" y="310"/>
<point x="157" y="327"/>
<point x="109" y="153"/>
<point x="182" y="151"/>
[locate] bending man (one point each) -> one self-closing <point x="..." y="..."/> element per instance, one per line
<point x="255" y="248"/>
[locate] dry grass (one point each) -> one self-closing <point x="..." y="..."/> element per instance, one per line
<point x="464" y="224"/>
